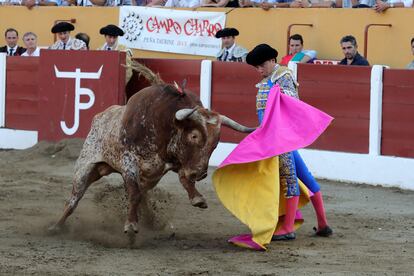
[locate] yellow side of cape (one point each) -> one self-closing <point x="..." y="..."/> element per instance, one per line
<point x="251" y="192"/>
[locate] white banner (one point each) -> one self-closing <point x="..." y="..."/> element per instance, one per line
<point x="173" y="31"/>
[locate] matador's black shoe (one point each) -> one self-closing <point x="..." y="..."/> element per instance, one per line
<point x="324" y="232"/>
<point x="284" y="237"/>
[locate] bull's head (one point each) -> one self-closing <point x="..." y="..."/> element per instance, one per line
<point x="199" y="134"/>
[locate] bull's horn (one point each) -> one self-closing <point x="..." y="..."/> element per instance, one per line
<point x="235" y="125"/>
<point x="184" y="113"/>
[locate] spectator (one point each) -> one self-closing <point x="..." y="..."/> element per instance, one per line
<point x="84" y="37"/>
<point x="184" y="3"/>
<point x="230" y="51"/>
<point x="221" y="3"/>
<point x="141" y="2"/>
<point x="155" y="3"/>
<point x="65" y="42"/>
<point x="30" y="41"/>
<point x="381" y="6"/>
<point x="363" y="3"/>
<point x="107" y="3"/>
<point x="12" y="49"/>
<point x="411" y="65"/>
<point x="350" y="50"/>
<point x="10" y="2"/>
<point x="296" y="52"/>
<point x="111" y="33"/>
<point x="266" y="5"/>
<point x="31" y="3"/>
<point x="309" y="4"/>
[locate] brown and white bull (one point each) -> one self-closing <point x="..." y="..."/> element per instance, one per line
<point x="161" y="128"/>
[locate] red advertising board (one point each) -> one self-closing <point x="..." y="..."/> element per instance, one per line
<point x="74" y="86"/>
<point x="326" y="62"/>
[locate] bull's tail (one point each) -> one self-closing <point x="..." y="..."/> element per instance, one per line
<point x="147" y="73"/>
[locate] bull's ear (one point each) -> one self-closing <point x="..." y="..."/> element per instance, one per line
<point x="184" y="84"/>
<point x="179" y="89"/>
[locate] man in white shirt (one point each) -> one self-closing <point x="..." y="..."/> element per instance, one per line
<point x="30" y="41"/>
<point x="66" y="42"/>
<point x="231" y="51"/>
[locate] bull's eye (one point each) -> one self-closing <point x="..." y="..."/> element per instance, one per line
<point x="194" y="137"/>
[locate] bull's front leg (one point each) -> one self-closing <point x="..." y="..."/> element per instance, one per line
<point x="134" y="197"/>
<point x="196" y="199"/>
<point x="131" y="180"/>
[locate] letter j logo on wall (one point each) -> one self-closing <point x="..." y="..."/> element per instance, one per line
<point x="78" y="75"/>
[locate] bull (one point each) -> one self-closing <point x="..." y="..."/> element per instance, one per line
<point x="161" y="128"/>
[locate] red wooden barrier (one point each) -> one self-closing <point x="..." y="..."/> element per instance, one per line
<point x="344" y="93"/>
<point x="170" y="70"/>
<point x="398" y="113"/>
<point x="36" y="99"/>
<point x="234" y="95"/>
<point x="22" y="93"/>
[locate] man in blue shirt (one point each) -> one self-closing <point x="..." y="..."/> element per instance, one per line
<point x="350" y="49"/>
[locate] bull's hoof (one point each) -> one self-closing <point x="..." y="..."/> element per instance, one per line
<point x="199" y="202"/>
<point x="131" y="227"/>
<point x="55" y="229"/>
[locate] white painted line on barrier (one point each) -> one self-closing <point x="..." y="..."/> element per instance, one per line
<point x="2" y="89"/>
<point x="17" y="139"/>
<point x="375" y="110"/>
<point x="205" y="82"/>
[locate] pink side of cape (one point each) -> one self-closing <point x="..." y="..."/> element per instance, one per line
<point x="288" y="124"/>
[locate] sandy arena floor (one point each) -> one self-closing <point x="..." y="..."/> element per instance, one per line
<point x="374" y="228"/>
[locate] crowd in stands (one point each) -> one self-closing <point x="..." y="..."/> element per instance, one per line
<point x="231" y="52"/>
<point x="377" y="5"/>
<point x="65" y="41"/>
